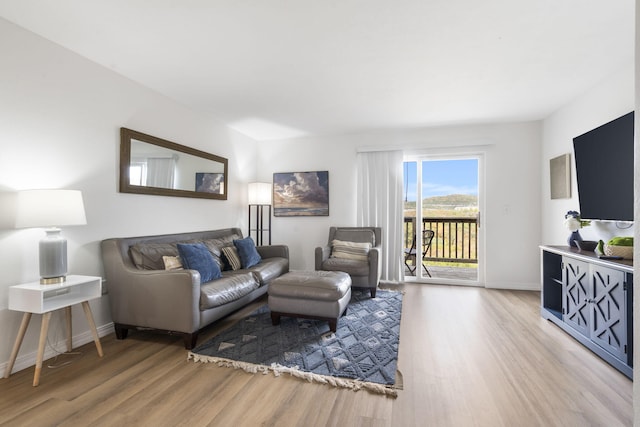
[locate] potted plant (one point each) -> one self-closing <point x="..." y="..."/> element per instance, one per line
<point x="574" y="223"/>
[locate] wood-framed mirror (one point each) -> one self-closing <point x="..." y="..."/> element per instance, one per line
<point x="151" y="165"/>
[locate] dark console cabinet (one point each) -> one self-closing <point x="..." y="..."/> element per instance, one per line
<point x="592" y="300"/>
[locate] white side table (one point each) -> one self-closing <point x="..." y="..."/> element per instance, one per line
<point x="45" y="299"/>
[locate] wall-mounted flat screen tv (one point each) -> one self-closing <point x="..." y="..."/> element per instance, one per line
<point x="604" y="170"/>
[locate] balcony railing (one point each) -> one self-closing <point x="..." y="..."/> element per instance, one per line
<point x="455" y="239"/>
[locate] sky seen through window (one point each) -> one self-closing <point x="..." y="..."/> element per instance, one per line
<point x="442" y="178"/>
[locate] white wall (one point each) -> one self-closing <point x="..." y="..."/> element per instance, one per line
<point x="608" y="100"/>
<point x="60" y="116"/>
<point x="511" y="219"/>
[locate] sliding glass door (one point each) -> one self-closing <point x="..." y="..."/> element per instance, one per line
<point x="441" y="219"/>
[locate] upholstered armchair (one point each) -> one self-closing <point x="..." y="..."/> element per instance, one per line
<point x="356" y="251"/>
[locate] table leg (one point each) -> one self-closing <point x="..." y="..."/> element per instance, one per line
<point x="67" y="312"/>
<point x="26" y="317"/>
<point x="92" y="325"/>
<point x="43" y="340"/>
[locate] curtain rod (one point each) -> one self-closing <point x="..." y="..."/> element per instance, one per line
<point x="422" y="148"/>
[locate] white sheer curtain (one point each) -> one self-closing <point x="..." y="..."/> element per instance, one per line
<point x="380" y="204"/>
<point x="161" y="171"/>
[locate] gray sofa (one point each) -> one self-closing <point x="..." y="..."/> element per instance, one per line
<point x="143" y="295"/>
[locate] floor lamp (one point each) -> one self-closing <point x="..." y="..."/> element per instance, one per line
<point x="260" y="203"/>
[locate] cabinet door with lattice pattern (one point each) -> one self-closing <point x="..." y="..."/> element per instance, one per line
<point x="608" y="315"/>
<point x="575" y="294"/>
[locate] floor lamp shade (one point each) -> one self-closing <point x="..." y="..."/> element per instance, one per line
<point x="50" y="209"/>
<point x="259" y="193"/>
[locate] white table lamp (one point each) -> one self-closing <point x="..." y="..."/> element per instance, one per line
<point x="50" y="209"/>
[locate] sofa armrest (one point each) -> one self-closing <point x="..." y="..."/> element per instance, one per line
<point x="322" y="254"/>
<point x="273" y="251"/>
<point x="375" y="263"/>
<point x="160" y="299"/>
<point x="175" y="297"/>
<point x="374" y="255"/>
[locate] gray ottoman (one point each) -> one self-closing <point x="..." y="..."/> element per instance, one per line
<point x="322" y="295"/>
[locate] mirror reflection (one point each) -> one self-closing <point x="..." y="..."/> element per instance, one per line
<point x="150" y="165"/>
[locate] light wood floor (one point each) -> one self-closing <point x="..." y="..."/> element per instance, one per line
<point x="468" y="357"/>
<point x="469" y="272"/>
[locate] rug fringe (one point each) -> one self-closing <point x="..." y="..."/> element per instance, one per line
<point x="277" y="370"/>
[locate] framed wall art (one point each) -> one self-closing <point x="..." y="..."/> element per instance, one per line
<point x="560" y="177"/>
<point x="210" y="182"/>
<point x="301" y="194"/>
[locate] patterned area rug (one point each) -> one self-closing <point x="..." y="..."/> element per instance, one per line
<point x="361" y="354"/>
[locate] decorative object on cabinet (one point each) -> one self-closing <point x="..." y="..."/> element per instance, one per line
<point x="151" y="165"/>
<point x="301" y="194"/>
<point x="574" y="223"/>
<point x="51" y="209"/>
<point x="586" y="245"/>
<point x="619" y="247"/>
<point x="573" y="238"/>
<point x="560" y="177"/>
<point x="259" y="198"/>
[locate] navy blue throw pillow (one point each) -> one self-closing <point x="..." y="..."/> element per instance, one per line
<point x="196" y="256"/>
<point x="247" y="251"/>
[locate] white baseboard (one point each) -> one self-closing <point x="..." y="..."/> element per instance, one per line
<point x="514" y="286"/>
<point x="27" y="360"/>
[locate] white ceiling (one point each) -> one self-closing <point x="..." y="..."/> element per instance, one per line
<point x="285" y="68"/>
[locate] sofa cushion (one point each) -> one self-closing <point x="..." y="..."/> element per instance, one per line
<point x="172" y="262"/>
<point x="215" y="246"/>
<point x="230" y="254"/>
<point x="196" y="256"/>
<point x="350" y="250"/>
<point x="226" y="289"/>
<point x="270" y="268"/>
<point x="356" y="235"/>
<point x="247" y="251"/>
<point x="311" y="286"/>
<point x="148" y="256"/>
<point x="351" y="266"/>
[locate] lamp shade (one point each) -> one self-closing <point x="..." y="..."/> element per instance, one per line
<point x="49" y="208"/>
<point x="259" y="193"/>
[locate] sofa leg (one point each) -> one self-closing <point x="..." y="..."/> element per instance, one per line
<point x="121" y="331"/>
<point x="275" y="318"/>
<point x="333" y="325"/>
<point x="190" y="340"/>
<point x="373" y="292"/>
